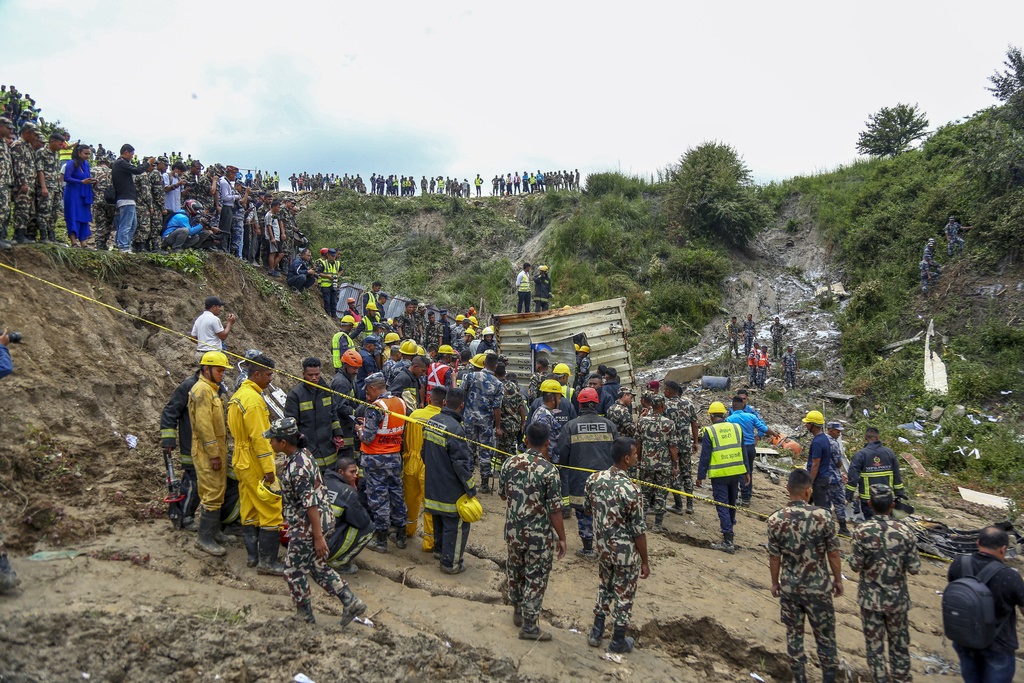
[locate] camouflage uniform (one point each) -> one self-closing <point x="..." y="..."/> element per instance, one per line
<point x="483" y="396"/>
<point x="48" y="208"/>
<point x="23" y="164"/>
<point x="143" y="209"/>
<point x="102" y="213"/>
<point x="432" y="334"/>
<point x="530" y="485"/>
<point x="156" y="191"/>
<point x="6" y="179"/>
<point x="622" y="417"/>
<point x="657" y="434"/>
<point x="383" y="475"/>
<point x="836" y="488"/>
<point x="734" y="330"/>
<point x="544" y="415"/>
<point x="513" y="405"/>
<point x="789" y="362"/>
<point x="582" y="372"/>
<point x="749" y="331"/>
<point x="884" y="552"/>
<point x="778" y="330"/>
<point x="682" y="412"/>
<point x="802" y="536"/>
<point x="406" y="327"/>
<point x="533" y="390"/>
<point x="302" y="488"/>
<point x="614" y="502"/>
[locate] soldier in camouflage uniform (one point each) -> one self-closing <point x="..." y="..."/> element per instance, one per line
<point x="405" y="324"/>
<point x="155" y="181"/>
<point x="529" y="483"/>
<point x="749" y="332"/>
<point x="551" y="396"/>
<point x="26" y="178"/>
<point x="540" y="368"/>
<point x="621" y="539"/>
<point x="778" y="331"/>
<point x="143" y="211"/>
<point x="307" y="510"/>
<point x="482" y="414"/>
<point x="102" y="212"/>
<point x="621" y="413"/>
<point x="884" y="552"/>
<point x="659" y="440"/>
<point x="681" y="410"/>
<point x="837" y="475"/>
<point x="733" y="330"/>
<point x="6" y="179"/>
<point x="790" y="364"/>
<point x="802" y="547"/>
<point x="432" y="332"/>
<point x="513" y="412"/>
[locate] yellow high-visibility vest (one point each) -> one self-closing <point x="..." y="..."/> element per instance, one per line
<point x="726" y="450"/>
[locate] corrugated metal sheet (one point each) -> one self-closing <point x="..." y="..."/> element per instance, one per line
<point x="604" y="323"/>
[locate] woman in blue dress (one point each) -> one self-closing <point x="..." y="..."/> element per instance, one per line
<point x="78" y="195"/>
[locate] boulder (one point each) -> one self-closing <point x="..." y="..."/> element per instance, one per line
<point x="937" y="412"/>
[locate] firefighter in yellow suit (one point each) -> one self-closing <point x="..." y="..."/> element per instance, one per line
<point x="210" y="449"/>
<point x="413" y="470"/>
<point x="253" y="462"/>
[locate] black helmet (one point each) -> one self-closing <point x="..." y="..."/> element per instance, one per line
<point x="193" y="208"/>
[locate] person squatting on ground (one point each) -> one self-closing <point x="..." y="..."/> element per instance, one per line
<point x="620" y="533"/>
<point x="884" y="552"/>
<point x="307" y="509"/>
<point x="529" y="484"/>
<point x="802" y="548"/>
<point x="253" y="462"/>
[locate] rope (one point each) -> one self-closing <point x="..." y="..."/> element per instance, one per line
<point x="402" y="416"/>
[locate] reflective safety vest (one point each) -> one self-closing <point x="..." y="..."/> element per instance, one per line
<point x="524" y="286"/>
<point x="437" y="375"/>
<point x="64" y="153"/>
<point x="479" y="181"/>
<point x="762" y="360"/>
<point x="726" y="450"/>
<point x="328" y="270"/>
<point x="568" y="392"/>
<point x="388" y="438"/>
<point x="337" y="351"/>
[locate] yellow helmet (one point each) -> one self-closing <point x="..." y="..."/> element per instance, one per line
<point x="488" y="330"/>
<point x="215" y="359"/>
<point x="348" y="320"/>
<point x="567" y="306"/>
<point x="584" y="349"/>
<point x="551" y="386"/>
<point x="391" y="337"/>
<point x="268" y="495"/>
<point x="815" y="418"/>
<point x="459" y="318"/>
<point x="470" y="509"/>
<point x="716" y="408"/>
<point x="477" y="361"/>
<point x="446" y="350"/>
<point x="370" y="306"/>
<point x="470" y="332"/>
<point x="543" y="269"/>
<point x="561" y="369"/>
<point x="420" y="351"/>
<point x="472" y="319"/>
<point x="577" y="347"/>
<point x="408" y="348"/>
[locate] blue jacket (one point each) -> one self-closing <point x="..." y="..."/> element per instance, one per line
<point x="751" y="424"/>
<point x="180" y="220"/>
<point x="6" y="366"/>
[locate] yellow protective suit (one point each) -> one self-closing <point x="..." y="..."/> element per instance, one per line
<point x="209" y="440"/>
<point x="414" y="475"/>
<point x="248" y="419"/>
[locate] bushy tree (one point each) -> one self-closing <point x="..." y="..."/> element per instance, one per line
<point x="711" y="193"/>
<point x="892" y="130"/>
<point x="1008" y="86"/>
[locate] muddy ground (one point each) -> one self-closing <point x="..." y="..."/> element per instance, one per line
<point x="143" y="605"/>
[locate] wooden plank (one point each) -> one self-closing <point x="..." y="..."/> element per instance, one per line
<point x="916" y="465"/>
<point x="836" y="396"/>
<point x="690" y="373"/>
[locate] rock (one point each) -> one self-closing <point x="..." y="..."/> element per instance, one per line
<point x="958" y="411"/>
<point x="921" y="413"/>
<point x="937" y="412"/>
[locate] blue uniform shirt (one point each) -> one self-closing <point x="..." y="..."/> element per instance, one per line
<point x="751" y="424"/>
<point x="821" y="449"/>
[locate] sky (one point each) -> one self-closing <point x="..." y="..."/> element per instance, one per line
<point x="458" y="88"/>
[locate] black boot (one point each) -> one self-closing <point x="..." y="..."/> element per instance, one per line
<point x="843" y="529"/>
<point x="379" y="544"/>
<point x="689" y="505"/>
<point x="596" y="631"/>
<point x="677" y="508"/>
<point x="20" y="237"/>
<point x="517" y="615"/>
<point x="398" y="537"/>
<point x="354" y="607"/>
<point x="305" y="612"/>
<point x="726" y="545"/>
<point x="531" y="631"/>
<point x="620" y="643"/>
<point x="485" y="484"/>
<point x="206" y="541"/>
<point x="587" y="552"/>
<point x="51" y="238"/>
<point x="269" y="543"/>
<point x="658" y="528"/>
<point x="250" y="537"/>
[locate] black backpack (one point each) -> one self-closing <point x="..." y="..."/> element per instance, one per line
<point x="968" y="607"/>
<point x="109" y="196"/>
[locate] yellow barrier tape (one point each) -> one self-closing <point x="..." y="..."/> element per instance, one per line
<point x="353" y="399"/>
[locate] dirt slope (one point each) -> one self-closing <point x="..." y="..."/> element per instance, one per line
<point x="86" y="377"/>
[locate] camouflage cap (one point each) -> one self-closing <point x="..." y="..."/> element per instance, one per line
<point x="646" y="396"/>
<point x="657" y="400"/>
<point x="880" y="492"/>
<point x="162" y="160"/>
<point x="626" y="390"/>
<point x="4" y="121"/>
<point x="375" y="378"/>
<point x="286" y="426"/>
<point x="29" y="126"/>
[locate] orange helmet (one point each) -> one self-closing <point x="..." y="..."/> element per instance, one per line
<point x="352" y="358"/>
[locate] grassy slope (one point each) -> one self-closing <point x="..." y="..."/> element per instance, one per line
<point x="877" y="216"/>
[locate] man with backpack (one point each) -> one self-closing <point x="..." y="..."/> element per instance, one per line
<point x="979" y="610"/>
<point x="884" y="552"/>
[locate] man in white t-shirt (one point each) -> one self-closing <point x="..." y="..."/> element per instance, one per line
<point x="208" y="331"/>
<point x="174" y="180"/>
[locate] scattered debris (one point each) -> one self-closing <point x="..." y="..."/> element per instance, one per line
<point x="895" y="346"/>
<point x="131" y="440"/>
<point x="991" y="500"/>
<point x="612" y="657"/>
<point x="687" y="374"/>
<point x="302" y="678"/>
<point x="934" y="369"/>
<point x="836" y="290"/>
<point x="756" y="677"/>
<point x="916" y="465"/>
<point x="50" y="555"/>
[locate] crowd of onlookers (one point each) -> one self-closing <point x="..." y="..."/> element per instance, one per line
<point x="406" y="186"/>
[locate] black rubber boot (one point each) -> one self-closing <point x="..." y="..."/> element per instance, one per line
<point x="843" y="529"/>
<point x="620" y="643"/>
<point x="398" y="537"/>
<point x="206" y="541"/>
<point x="517" y="615"/>
<point x="250" y="537"/>
<point x="354" y="607"/>
<point x="305" y="612"/>
<point x="658" y="520"/>
<point x="530" y="631"/>
<point x="269" y="542"/>
<point x="485" y="484"/>
<point x="596" y="631"/>
<point x="379" y="544"/>
<point x="689" y="505"/>
<point x="20" y="237"/>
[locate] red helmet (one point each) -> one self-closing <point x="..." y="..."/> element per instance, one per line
<point x="323" y="252"/>
<point x="193" y="208"/>
<point x="589" y="395"/>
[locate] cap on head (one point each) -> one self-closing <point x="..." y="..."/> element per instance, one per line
<point x="838" y="426"/>
<point x="657" y="400"/>
<point x="281" y="428"/>
<point x="589" y="395"/>
<point x="375" y="378"/>
<point x="212" y="301"/>
<point x="371" y="339"/>
<point x="654" y="385"/>
<point x="626" y="390"/>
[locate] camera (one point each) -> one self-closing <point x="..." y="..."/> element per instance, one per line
<point x="14" y="337"/>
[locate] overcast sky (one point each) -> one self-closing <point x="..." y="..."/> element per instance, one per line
<point x="459" y="88"/>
